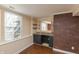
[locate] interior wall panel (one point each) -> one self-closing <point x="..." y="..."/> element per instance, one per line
<point x="66" y="32"/>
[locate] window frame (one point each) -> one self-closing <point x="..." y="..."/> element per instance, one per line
<point x="21" y="17"/>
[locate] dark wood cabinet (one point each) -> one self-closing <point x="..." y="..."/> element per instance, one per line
<point x="39" y="39"/>
<point x="45" y="38"/>
<point x="51" y="41"/>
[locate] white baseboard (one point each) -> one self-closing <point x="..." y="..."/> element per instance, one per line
<point x="62" y="51"/>
<point x="23" y="49"/>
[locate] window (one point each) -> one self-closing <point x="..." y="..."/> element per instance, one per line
<point x="12" y="26"/>
<point x="43" y="26"/>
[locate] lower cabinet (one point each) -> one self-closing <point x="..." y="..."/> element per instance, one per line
<point x="50" y="41"/>
<point x="45" y="39"/>
<point x="39" y="39"/>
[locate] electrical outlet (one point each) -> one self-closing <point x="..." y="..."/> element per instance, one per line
<point x="72" y="47"/>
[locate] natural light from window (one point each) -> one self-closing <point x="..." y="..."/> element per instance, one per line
<point x="12" y="26"/>
<point x="43" y="26"/>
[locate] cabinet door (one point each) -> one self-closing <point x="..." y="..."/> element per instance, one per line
<point x="37" y="39"/>
<point x="45" y="39"/>
<point x="50" y="41"/>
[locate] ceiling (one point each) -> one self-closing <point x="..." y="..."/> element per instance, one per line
<point x="39" y="10"/>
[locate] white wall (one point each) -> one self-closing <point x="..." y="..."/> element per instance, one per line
<point x="0" y="24"/>
<point x="16" y="46"/>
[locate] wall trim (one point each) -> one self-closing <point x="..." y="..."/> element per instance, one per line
<point x="70" y="11"/>
<point x="62" y="51"/>
<point x="8" y="42"/>
<point x="26" y="36"/>
<point x="20" y="50"/>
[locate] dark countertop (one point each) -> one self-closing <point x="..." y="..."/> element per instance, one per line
<point x="44" y="33"/>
